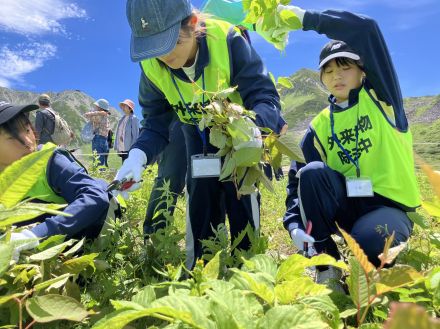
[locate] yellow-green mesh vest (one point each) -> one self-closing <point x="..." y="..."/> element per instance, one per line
<point x="42" y="190"/>
<point x="217" y="75"/>
<point x="385" y="154"/>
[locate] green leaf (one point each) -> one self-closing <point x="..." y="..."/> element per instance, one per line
<point x="396" y="277"/>
<point x="262" y="288"/>
<point x="49" y="308"/>
<point x="119" y="319"/>
<point x="241" y="309"/>
<point x="357" y="284"/>
<point x="290" y="19"/>
<point x="19" y="177"/>
<point x="5" y="257"/>
<point x="418" y="219"/>
<point x="283" y="145"/>
<point x="145" y="297"/>
<point x="288" y="317"/>
<point x="294" y="266"/>
<point x="285" y="82"/>
<point x="75" y="248"/>
<point x="195" y="308"/>
<point x="247" y="157"/>
<point x="51" y="252"/>
<point x="217" y="137"/>
<point x="59" y="279"/>
<point x="50" y="242"/>
<point x="289" y="291"/>
<point x="26" y="210"/>
<point x="7" y="298"/>
<point x="212" y="269"/>
<point x="325" y="305"/>
<point x="77" y="265"/>
<point x="261" y="263"/>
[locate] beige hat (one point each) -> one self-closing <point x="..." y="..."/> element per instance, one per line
<point x="129" y="103"/>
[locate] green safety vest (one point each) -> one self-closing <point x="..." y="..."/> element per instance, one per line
<point x="217" y="75"/>
<point x="384" y="153"/>
<point x="41" y="189"/>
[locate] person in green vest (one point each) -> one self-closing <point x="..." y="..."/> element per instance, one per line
<point x="62" y="181"/>
<point x="182" y="53"/>
<point x="359" y="170"/>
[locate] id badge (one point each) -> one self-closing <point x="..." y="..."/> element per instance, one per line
<point x="359" y="187"/>
<point x="205" y="165"/>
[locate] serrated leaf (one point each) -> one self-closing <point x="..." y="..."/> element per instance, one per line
<point x="261" y="263"/>
<point x="396" y="277"/>
<point x="49" y="308"/>
<point x="212" y="269"/>
<point x="145" y="297"/>
<point x="325" y="305"/>
<point x="263" y="289"/>
<point x="292" y="316"/>
<point x="194" y="308"/>
<point x="357" y="284"/>
<point x="19" y="177"/>
<point x="288" y="292"/>
<point x="294" y="266"/>
<point x="358" y="252"/>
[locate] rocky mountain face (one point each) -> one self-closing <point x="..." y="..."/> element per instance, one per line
<point x="70" y="104"/>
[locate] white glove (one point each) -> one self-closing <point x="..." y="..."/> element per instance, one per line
<point x="299" y="12"/>
<point x="132" y="169"/>
<point x="23" y="240"/>
<point x="299" y="237"/>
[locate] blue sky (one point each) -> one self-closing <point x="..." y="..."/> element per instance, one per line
<point x="55" y="45"/>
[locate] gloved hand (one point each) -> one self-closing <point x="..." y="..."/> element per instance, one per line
<point x="299" y="12"/>
<point x="23" y="240"/>
<point x="299" y="237"/>
<point x="132" y="169"/>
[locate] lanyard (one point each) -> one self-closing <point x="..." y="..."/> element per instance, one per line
<point x="202" y="134"/>
<point x="335" y="138"/>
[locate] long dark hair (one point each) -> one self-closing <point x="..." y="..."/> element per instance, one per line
<point x="16" y="126"/>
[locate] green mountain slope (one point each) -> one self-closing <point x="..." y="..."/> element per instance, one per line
<point x="70" y="104"/>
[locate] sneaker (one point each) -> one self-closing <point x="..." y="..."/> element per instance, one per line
<point x="331" y="277"/>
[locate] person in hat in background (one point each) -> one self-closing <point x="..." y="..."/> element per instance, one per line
<point x="62" y="181"/>
<point x="182" y="52"/>
<point x="359" y="170"/>
<point x="101" y="126"/>
<point x="44" y="120"/>
<point x="127" y="130"/>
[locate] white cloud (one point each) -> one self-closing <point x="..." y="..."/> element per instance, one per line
<point x="23" y="59"/>
<point x="36" y="17"/>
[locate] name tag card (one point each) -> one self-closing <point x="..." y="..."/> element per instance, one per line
<point x="205" y="165"/>
<point x="359" y="187"/>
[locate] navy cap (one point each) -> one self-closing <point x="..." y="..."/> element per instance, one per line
<point x="155" y="26"/>
<point x="9" y="111"/>
<point x="334" y="49"/>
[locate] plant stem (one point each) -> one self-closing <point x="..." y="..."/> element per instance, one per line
<point x="30" y="324"/>
<point x="20" y="313"/>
